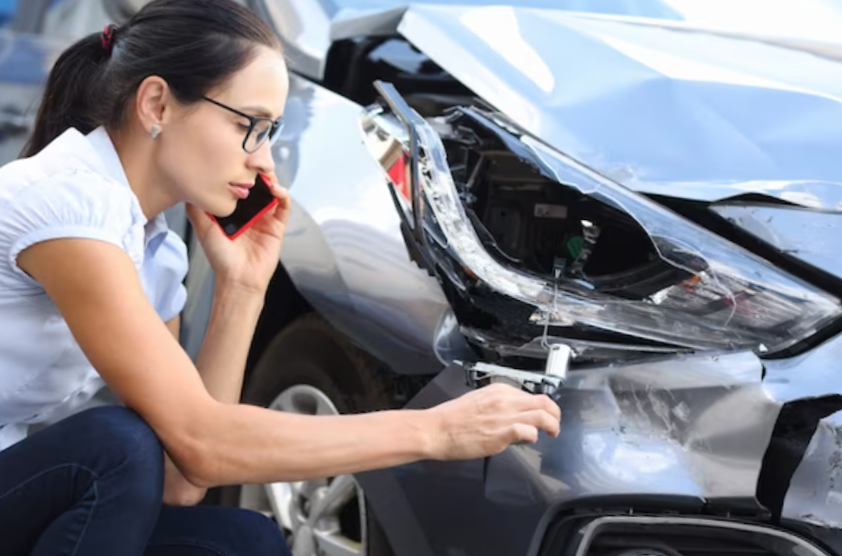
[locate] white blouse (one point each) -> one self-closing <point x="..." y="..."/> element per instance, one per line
<point x="74" y="188"/>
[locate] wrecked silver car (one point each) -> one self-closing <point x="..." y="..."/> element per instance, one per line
<point x="634" y="206"/>
<point x="635" y="213"/>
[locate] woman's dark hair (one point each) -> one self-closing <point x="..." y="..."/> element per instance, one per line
<point x="194" y="45"/>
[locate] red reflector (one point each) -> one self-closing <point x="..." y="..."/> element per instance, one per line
<point x="399" y="177"/>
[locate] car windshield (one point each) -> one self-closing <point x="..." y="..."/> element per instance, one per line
<point x="809" y="19"/>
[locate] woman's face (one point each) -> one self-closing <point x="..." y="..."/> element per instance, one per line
<point x="204" y="160"/>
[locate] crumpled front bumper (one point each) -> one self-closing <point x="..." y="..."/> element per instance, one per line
<point x="727" y="435"/>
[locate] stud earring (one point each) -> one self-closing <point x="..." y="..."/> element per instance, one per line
<point x="156" y="131"/>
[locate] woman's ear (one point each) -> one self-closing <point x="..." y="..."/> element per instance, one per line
<point x="152" y="104"/>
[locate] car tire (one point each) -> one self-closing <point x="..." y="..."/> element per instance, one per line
<point x="311" y="355"/>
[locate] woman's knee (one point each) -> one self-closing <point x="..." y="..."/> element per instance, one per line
<point x="123" y="445"/>
<point x="123" y="431"/>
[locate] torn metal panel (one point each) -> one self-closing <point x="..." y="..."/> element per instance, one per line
<point x="646" y="428"/>
<point x="809" y="236"/>
<point x="568" y="80"/>
<point x="815" y="493"/>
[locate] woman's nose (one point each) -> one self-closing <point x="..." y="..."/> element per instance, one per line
<point x="261" y="160"/>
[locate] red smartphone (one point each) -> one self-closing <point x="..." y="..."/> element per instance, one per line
<point x="248" y="211"/>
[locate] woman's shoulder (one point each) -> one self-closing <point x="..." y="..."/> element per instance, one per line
<point x="64" y="183"/>
<point x="68" y="153"/>
<point x="58" y="194"/>
<point x="69" y="197"/>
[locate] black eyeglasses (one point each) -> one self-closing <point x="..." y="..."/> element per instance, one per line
<point x="260" y="129"/>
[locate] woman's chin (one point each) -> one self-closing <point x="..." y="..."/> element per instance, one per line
<point x="221" y="209"/>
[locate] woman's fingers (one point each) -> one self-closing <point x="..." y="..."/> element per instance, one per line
<point x="281" y="212"/>
<point x="550" y="407"/>
<point x="274" y="186"/>
<point x="520" y="432"/>
<point x="502" y="395"/>
<point x="540" y="419"/>
<point x="529" y="402"/>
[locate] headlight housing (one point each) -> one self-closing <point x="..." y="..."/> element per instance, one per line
<point x="702" y="292"/>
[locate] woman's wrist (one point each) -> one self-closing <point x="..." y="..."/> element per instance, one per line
<point x="430" y="433"/>
<point x="239" y="290"/>
<point x="233" y="302"/>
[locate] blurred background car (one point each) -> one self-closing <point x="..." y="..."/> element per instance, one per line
<point x="7" y="11"/>
<point x="653" y="183"/>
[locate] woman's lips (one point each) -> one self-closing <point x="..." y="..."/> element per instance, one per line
<point x="240" y="190"/>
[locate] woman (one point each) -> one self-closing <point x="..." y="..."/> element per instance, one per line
<point x="133" y="121"/>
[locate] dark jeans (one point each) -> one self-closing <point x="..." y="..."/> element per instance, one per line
<point x="92" y="485"/>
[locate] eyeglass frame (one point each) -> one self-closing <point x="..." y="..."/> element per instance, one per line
<point x="277" y="125"/>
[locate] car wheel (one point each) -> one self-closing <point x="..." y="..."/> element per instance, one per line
<point x="310" y="368"/>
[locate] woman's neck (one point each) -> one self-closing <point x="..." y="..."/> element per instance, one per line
<point x="137" y="155"/>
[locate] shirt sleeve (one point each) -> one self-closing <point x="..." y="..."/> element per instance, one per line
<point x="80" y="205"/>
<point x="164" y="273"/>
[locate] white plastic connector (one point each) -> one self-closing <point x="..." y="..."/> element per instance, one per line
<point x="558" y="361"/>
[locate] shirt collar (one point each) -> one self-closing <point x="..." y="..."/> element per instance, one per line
<point x="157" y="227"/>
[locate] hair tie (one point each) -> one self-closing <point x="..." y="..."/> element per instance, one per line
<point x="107" y="37"/>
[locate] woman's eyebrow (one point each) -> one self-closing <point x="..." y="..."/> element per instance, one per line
<point x="257" y="111"/>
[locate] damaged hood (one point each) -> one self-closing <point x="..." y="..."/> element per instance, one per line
<point x="659" y="107"/>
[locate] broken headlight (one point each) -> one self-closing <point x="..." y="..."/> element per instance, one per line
<point x="495" y="212"/>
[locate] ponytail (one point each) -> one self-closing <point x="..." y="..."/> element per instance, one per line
<point x="194" y="45"/>
<point x="70" y="93"/>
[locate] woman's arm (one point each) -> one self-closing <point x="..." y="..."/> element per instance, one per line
<point x="222" y="360"/>
<point x="97" y="290"/>
<point x="221" y="364"/>
<point x="178" y="491"/>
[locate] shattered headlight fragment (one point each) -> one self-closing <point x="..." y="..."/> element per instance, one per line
<point x="597" y="256"/>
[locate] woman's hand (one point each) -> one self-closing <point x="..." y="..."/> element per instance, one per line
<point x="486" y="421"/>
<point x="178" y="491"/>
<point x="249" y="261"/>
